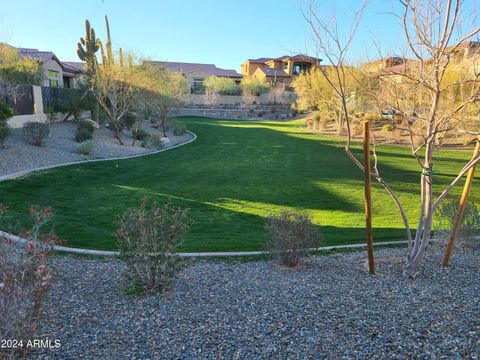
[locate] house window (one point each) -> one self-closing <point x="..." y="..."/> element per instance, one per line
<point x="197" y="86"/>
<point x="285" y="66"/>
<point x="296" y="69"/>
<point x="53" y="78"/>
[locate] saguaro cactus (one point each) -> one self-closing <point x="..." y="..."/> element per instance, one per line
<point x="88" y="46"/>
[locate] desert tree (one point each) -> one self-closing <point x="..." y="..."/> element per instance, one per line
<point x="113" y="81"/>
<point x="316" y="91"/>
<point x="423" y="93"/>
<point x="167" y="91"/>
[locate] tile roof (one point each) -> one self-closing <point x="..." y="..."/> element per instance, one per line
<point x="36" y="54"/>
<point x="298" y="57"/>
<point x="186" y="68"/>
<point x="74" y="66"/>
<point x="261" y="60"/>
<point x="274" y="72"/>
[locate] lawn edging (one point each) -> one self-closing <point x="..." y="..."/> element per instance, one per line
<point x="92" y="252"/>
<point x="27" y="172"/>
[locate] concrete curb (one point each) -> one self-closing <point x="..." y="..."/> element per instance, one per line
<point x="78" y="251"/>
<point x="26" y="172"/>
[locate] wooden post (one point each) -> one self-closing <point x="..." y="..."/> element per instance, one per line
<point x="368" y="196"/>
<point x="461" y="209"/>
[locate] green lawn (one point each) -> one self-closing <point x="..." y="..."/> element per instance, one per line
<point x="230" y="178"/>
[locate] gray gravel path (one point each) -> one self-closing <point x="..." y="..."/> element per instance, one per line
<point x="329" y="309"/>
<point x="60" y="148"/>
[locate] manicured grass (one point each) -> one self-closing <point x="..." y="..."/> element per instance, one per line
<point x="230" y="178"/>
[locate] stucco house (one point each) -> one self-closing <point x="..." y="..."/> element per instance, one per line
<point x="279" y="70"/>
<point x="196" y="73"/>
<point x="56" y="73"/>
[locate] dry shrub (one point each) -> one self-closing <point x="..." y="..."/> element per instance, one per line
<point x="148" y="239"/>
<point x="25" y="279"/>
<point x="289" y="236"/>
<point x="469" y="233"/>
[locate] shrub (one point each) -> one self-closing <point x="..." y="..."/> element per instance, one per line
<point x="35" y="132"/>
<point x="6" y="112"/>
<point x="140" y="134"/>
<point x="85" y="147"/>
<point x="179" y="128"/>
<point x="316" y="117"/>
<point x="25" y="279"/>
<point x="156" y="142"/>
<point x="85" y="130"/>
<point x="253" y="85"/>
<point x="289" y="236"/>
<point x="148" y="239"/>
<point x="222" y="85"/>
<point x="129" y="120"/>
<point x="470" y="228"/>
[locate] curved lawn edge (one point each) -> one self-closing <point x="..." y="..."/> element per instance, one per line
<point x="91" y="252"/>
<point x="42" y="168"/>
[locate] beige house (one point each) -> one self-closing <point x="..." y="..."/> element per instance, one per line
<point x="196" y="73"/>
<point x="279" y="70"/>
<point x="56" y="73"/>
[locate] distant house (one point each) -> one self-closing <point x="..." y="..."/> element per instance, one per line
<point x="56" y="73"/>
<point x="196" y="73"/>
<point x="279" y="70"/>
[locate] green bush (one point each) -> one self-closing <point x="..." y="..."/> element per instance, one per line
<point x="140" y="134"/>
<point x="223" y="85"/>
<point x="35" y="132"/>
<point x="470" y="226"/>
<point x="316" y="116"/>
<point x="85" y="130"/>
<point x="253" y="85"/>
<point x="129" y="120"/>
<point x="6" y="112"/>
<point x="86" y="147"/>
<point x="179" y="128"/>
<point x="156" y="142"/>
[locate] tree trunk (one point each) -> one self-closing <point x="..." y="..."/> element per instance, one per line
<point x="117" y="133"/>
<point x="163" y="121"/>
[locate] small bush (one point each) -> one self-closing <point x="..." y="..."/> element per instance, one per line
<point x="148" y="239"/>
<point x="129" y="120"/>
<point x="469" y="232"/>
<point x="373" y="118"/>
<point x="156" y="142"/>
<point x="289" y="236"/>
<point x="25" y="279"/>
<point x="179" y="128"/>
<point x="6" y="113"/>
<point x="316" y="117"/>
<point x="140" y="134"/>
<point x="35" y="132"/>
<point x="86" y="147"/>
<point x="85" y="130"/>
<point x="309" y="124"/>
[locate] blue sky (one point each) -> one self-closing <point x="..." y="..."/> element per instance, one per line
<point x="224" y="32"/>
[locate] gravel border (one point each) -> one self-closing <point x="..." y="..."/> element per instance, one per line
<point x="330" y="308"/>
<point x="19" y="158"/>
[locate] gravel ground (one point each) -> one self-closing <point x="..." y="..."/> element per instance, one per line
<point x="60" y="148"/>
<point x="330" y="308"/>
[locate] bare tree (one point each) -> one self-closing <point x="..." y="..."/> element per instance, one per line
<point x="434" y="31"/>
<point x="248" y="102"/>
